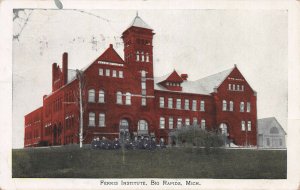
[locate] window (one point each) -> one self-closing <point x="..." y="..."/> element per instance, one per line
<point x="170" y="122"/>
<point x="143" y="125"/>
<point x="162" y="122"/>
<point x="114" y="74"/>
<point x="194" y="105"/>
<point x="101" y="96"/>
<point x="147" y="57"/>
<point x="186" y="104"/>
<point x="248" y="107"/>
<point x="170" y="103"/>
<point x="101" y="72"/>
<point x="203" y="123"/>
<point x="101" y="120"/>
<point x="144" y="102"/>
<point x="92" y="119"/>
<point x="107" y="72"/>
<point x="224" y="108"/>
<point x="120" y="74"/>
<point x="195" y="121"/>
<point x="280" y="142"/>
<point x="243" y="125"/>
<point x="238" y="87"/>
<point x="137" y="56"/>
<point x="274" y="130"/>
<point x="242" y="87"/>
<point x="119" y="98"/>
<point x="128" y="98"/>
<point x="178" y="104"/>
<point x="143" y="74"/>
<point x="242" y="106"/>
<point x="91" y="95"/>
<point x="229" y="86"/>
<point x="161" y="102"/>
<point x="179" y="122"/>
<point x="231" y="105"/>
<point x="187" y="122"/>
<point x="268" y="142"/>
<point x="233" y="87"/>
<point x="143" y="85"/>
<point x="143" y="59"/>
<point x="249" y="126"/>
<point x="202" y="105"/>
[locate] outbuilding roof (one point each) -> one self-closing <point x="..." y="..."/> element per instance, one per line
<point x="265" y="124"/>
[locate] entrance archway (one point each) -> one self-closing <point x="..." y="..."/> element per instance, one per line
<point x="142" y="127"/>
<point x="224" y="131"/>
<point x="123" y="129"/>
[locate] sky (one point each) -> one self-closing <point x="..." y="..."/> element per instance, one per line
<point x="196" y="42"/>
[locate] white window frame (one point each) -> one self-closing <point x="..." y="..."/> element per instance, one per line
<point x="178" y="103"/>
<point x="161" y="102"/>
<point x="143" y="58"/>
<point x="92" y="95"/>
<point x="203" y="124"/>
<point x="179" y="122"/>
<point x="224" y="105"/>
<point x="242" y="107"/>
<point x="121" y="74"/>
<point x="107" y="72"/>
<point x="114" y="73"/>
<point x="170" y="103"/>
<point x="229" y="86"/>
<point x="101" y="119"/>
<point x="249" y="126"/>
<point x="194" y="105"/>
<point x="101" y="72"/>
<point x="137" y="58"/>
<point x="248" y="107"/>
<point x="128" y="98"/>
<point x="92" y="119"/>
<point x="101" y="98"/>
<point x="143" y="101"/>
<point x="143" y="84"/>
<point x="147" y="57"/>
<point x="195" y="121"/>
<point x="231" y="106"/>
<point x="162" y="123"/>
<point x="202" y="105"/>
<point x="243" y="125"/>
<point x="171" y="122"/>
<point x="186" y="104"/>
<point x="187" y="121"/>
<point x="233" y="87"/>
<point x="142" y="125"/>
<point x="119" y="97"/>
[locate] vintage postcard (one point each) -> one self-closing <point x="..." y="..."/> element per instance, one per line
<point x="184" y="96"/>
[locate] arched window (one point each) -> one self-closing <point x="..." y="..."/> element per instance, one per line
<point x="101" y="96"/>
<point x="143" y="125"/>
<point x="187" y="122"/>
<point x="128" y="98"/>
<point x="248" y="107"/>
<point x="137" y="56"/>
<point x="231" y="105"/>
<point x="143" y="74"/>
<point x="147" y="57"/>
<point x="243" y="125"/>
<point x="203" y="124"/>
<point x="274" y="130"/>
<point x="143" y="58"/>
<point x="242" y="107"/>
<point x="249" y="126"/>
<point x="91" y="97"/>
<point x="119" y="98"/>
<point x="162" y="123"/>
<point x="91" y="119"/>
<point x="124" y="123"/>
<point x="224" y="108"/>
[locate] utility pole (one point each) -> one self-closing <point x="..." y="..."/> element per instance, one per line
<point x="79" y="76"/>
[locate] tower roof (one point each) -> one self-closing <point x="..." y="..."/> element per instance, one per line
<point x="138" y="22"/>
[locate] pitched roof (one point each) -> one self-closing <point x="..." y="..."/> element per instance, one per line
<point x="110" y="55"/>
<point x="138" y="22"/>
<point x="204" y="86"/>
<point x="265" y="124"/>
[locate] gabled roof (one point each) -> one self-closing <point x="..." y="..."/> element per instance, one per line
<point x="204" y="86"/>
<point x="138" y="22"/>
<point x="173" y="77"/>
<point x="110" y="55"/>
<point x="265" y="124"/>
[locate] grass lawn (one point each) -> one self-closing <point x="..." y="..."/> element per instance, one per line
<point x="72" y="162"/>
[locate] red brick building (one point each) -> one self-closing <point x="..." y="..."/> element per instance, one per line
<point x="122" y="94"/>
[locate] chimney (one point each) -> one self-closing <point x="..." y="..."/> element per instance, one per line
<point x="54" y="74"/>
<point x="184" y="77"/>
<point x="110" y="45"/>
<point x="65" y="68"/>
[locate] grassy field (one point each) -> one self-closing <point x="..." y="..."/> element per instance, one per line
<point x="72" y="162"/>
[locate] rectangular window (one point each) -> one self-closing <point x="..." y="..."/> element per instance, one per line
<point x="242" y="87"/>
<point x="162" y="122"/>
<point x="186" y="104"/>
<point x="242" y="107"/>
<point x="121" y="74"/>
<point x="195" y="121"/>
<point x="233" y="87"/>
<point x="170" y="103"/>
<point x="203" y="124"/>
<point x="202" y="105"/>
<point x="107" y="72"/>
<point x="268" y="142"/>
<point x="161" y="102"/>
<point x="170" y="122"/>
<point x="101" y="120"/>
<point x="179" y="122"/>
<point x="144" y="92"/>
<point x="243" y="125"/>
<point x="229" y="86"/>
<point x="91" y="119"/>
<point x="143" y="85"/>
<point x="101" y="72"/>
<point x="194" y="105"/>
<point x="249" y="125"/>
<point x="178" y="103"/>
<point x="248" y="107"/>
<point x="114" y="74"/>
<point x="187" y="122"/>
<point x="144" y="102"/>
<point x="238" y="87"/>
